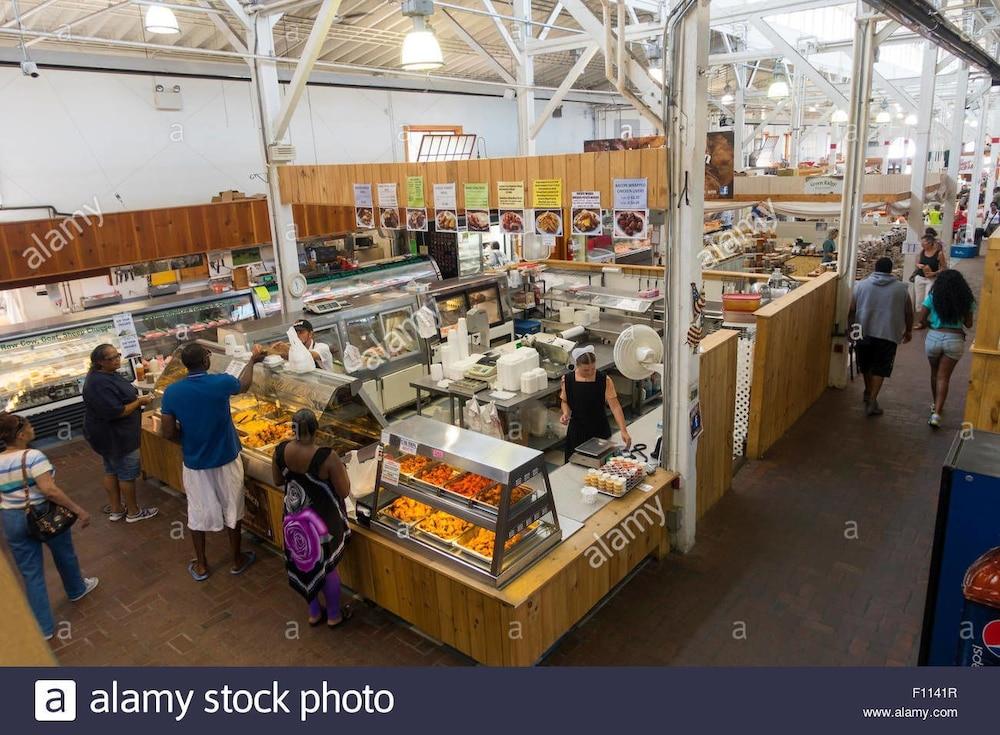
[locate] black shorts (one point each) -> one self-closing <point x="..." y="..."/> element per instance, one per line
<point x="876" y="356"/>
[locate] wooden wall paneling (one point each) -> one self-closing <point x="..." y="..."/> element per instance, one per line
<point x="602" y="177"/>
<point x="617" y="166"/>
<point x="717" y="390"/>
<point x="988" y="308"/>
<point x="982" y="404"/>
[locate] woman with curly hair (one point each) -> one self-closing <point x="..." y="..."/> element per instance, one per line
<point x="315" y="521"/>
<point x="947" y="310"/>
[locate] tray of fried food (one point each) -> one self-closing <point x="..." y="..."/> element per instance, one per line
<point x="490" y="497"/>
<point x="411" y="464"/>
<point x="437" y="474"/>
<point x="443" y="526"/>
<point x="407" y="511"/>
<point x="269" y="434"/>
<point x="468" y="485"/>
<point x="479" y="542"/>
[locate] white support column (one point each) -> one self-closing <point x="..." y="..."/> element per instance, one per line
<point x="991" y="178"/>
<point x="977" y="172"/>
<point x="740" y="129"/>
<point x="922" y="136"/>
<point x="955" y="152"/>
<point x="266" y="104"/>
<point x="798" y="110"/>
<point x="686" y="125"/>
<point x="525" y="79"/>
<point x="854" y="183"/>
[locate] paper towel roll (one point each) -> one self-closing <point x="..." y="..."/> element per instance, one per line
<point x="573" y="333"/>
<point x="463" y="337"/>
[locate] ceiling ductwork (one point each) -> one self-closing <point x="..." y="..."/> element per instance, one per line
<point x="923" y="18"/>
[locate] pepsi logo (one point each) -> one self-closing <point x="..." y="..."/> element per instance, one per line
<point x="991" y="637"/>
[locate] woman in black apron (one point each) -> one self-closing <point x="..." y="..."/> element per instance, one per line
<point x="585" y="395"/>
<point x="315" y="520"/>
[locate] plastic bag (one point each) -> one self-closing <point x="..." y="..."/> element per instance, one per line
<point x="489" y="421"/>
<point x="352" y="359"/>
<point x="362" y="474"/>
<point x="300" y="359"/>
<point x="427" y="322"/>
<point x="470" y="413"/>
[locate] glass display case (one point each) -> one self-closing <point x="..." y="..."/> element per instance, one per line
<point x="454" y="298"/>
<point x="470" y="253"/>
<point x="452" y="493"/>
<point x="388" y="274"/>
<point x="162" y="329"/>
<point x="49" y="367"/>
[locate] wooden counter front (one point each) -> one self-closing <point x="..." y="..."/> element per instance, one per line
<point x="515" y="625"/>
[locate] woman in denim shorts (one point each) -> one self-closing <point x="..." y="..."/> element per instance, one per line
<point x="947" y="310"/>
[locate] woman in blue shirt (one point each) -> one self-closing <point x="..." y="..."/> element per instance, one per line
<point x="947" y="310"/>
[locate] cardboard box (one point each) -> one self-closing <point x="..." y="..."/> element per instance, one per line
<point x="228" y="196"/>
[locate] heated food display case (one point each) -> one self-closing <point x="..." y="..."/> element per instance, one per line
<point x="452" y="492"/>
<point x="453" y="299"/>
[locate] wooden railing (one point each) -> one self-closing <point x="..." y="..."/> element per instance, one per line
<point x="717" y="393"/>
<point x="982" y="404"/>
<point x="791" y="361"/>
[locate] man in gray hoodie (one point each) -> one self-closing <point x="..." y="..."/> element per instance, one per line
<point x="881" y="318"/>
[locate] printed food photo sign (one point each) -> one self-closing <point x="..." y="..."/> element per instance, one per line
<point x="388" y="203"/>
<point x="631" y="209"/>
<point x="364" y="213"/>
<point x="445" y="208"/>
<point x="477" y="207"/>
<point x="510" y="197"/>
<point x="585" y="214"/>
<point x="719" y="168"/>
<point x="548" y="216"/>
<point x="416" y="206"/>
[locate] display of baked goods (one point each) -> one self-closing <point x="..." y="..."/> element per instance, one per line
<point x="365" y="217"/>
<point x="407" y="510"/>
<point x="549" y="223"/>
<point x="437" y="475"/>
<point x="416" y="219"/>
<point x="491" y="495"/>
<point x="586" y="221"/>
<point x="446" y="219"/>
<point x="444" y="525"/>
<point x="512" y="222"/>
<point x="629" y="222"/>
<point x="478" y="221"/>
<point x="412" y="463"/>
<point x="390" y="218"/>
<point x="468" y="484"/>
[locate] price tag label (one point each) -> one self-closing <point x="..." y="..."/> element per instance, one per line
<point x="390" y="472"/>
<point x="407" y="446"/>
<point x="646" y="487"/>
<point x="385" y="436"/>
<point x="437" y="454"/>
<point x="235" y="368"/>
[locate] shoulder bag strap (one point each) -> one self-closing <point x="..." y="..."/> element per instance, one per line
<point x="24" y="477"/>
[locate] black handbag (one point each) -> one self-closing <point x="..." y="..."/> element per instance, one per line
<point x="43" y="526"/>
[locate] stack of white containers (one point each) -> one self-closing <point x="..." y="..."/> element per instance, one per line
<point x="512" y="366"/>
<point x="534" y="380"/>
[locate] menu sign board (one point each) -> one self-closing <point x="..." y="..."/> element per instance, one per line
<point x="364" y="214"/>
<point x="585" y="214"/>
<point x="128" y="340"/>
<point x="547" y="193"/>
<point x="631" y="212"/>
<point x="445" y="208"/>
<point x="415" y="192"/>
<point x="388" y="203"/>
<point x="477" y="207"/>
<point x="510" y="197"/>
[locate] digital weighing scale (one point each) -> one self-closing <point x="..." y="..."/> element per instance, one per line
<point x="593" y="452"/>
<point x="323" y="305"/>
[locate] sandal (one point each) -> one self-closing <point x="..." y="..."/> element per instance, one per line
<point x="319" y="619"/>
<point x="346" y="613"/>
<point x="251" y="557"/>
<point x="194" y="575"/>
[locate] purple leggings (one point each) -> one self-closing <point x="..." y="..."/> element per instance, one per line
<point x="331" y="591"/>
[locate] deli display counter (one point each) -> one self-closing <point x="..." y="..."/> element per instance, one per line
<point x="385" y="274"/>
<point x="348" y="421"/>
<point x="453" y="492"/>
<point x="453" y="298"/>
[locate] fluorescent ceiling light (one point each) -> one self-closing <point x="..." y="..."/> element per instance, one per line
<point x="161" y="20"/>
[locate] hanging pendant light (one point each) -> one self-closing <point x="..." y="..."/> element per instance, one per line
<point x="727" y="94"/>
<point x="911" y="120"/>
<point x="161" y="20"/>
<point x="883" y="115"/>
<point x="778" y="89"/>
<point x="839" y="116"/>
<point x="421" y="50"/>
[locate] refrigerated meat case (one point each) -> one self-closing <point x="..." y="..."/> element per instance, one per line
<point x="44" y="362"/>
<point x="384" y="274"/>
<point x="379" y="326"/>
<point x="487" y="488"/>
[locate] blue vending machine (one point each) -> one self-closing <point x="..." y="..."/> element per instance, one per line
<point x="968" y="525"/>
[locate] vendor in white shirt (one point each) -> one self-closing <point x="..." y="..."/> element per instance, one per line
<point x="321" y="352"/>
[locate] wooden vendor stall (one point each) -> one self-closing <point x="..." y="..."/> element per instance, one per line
<point x="982" y="405"/>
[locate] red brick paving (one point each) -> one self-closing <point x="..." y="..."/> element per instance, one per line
<point x="772" y="560"/>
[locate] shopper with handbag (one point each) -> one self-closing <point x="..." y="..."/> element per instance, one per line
<point x="36" y="511"/>
<point x="930" y="262"/>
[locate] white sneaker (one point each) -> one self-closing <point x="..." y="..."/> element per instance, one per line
<point x="91" y="583"/>
<point x="934" y="421"/>
<point x="144" y="514"/>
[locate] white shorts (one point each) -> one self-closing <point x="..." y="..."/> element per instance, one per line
<point x="215" y="497"/>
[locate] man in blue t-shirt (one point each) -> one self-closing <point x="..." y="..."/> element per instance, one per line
<point x="196" y="410"/>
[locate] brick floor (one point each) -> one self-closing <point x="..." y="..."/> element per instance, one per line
<point x="773" y="580"/>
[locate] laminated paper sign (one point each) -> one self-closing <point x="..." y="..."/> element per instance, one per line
<point x="631" y="208"/>
<point x="364" y="213"/>
<point x="547" y="196"/>
<point x="388" y="203"/>
<point x="586" y="213"/>
<point x="128" y="341"/>
<point x="445" y="209"/>
<point x="415" y="192"/>
<point x="510" y="197"/>
<point x="477" y="207"/>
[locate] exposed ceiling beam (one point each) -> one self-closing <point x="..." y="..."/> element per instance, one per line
<point x="501" y="28"/>
<point x="564" y="88"/>
<point x="802" y="65"/>
<point x="478" y="48"/>
<point x="887" y="30"/>
<point x="633" y="32"/>
<point x="746" y="11"/>
<point x="765" y="120"/>
<point x="224" y="28"/>
<point x="237" y="10"/>
<point x="317" y="37"/>
<point x="29" y="12"/>
<point x="553" y="16"/>
<point x="67" y="27"/>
